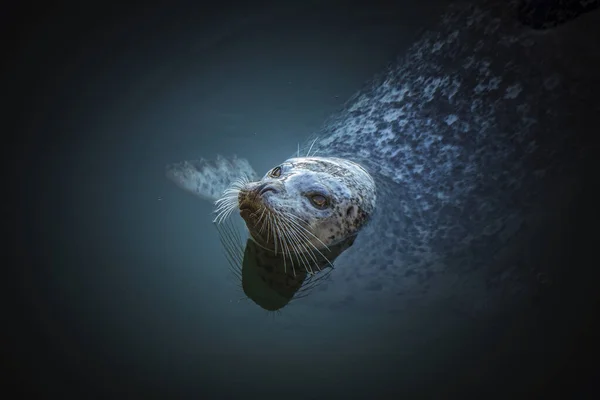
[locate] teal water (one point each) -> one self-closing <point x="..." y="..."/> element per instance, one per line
<point x="128" y="289"/>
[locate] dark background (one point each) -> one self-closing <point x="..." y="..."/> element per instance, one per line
<point x="102" y="294"/>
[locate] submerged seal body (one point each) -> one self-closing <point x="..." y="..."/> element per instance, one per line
<point x="464" y="139"/>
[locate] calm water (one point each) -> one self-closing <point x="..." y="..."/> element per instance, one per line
<point x="130" y="291"/>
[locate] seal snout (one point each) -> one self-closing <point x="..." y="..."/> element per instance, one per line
<point x="250" y="198"/>
<point x="255" y="194"/>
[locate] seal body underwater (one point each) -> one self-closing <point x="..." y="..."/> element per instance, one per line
<point x="465" y="137"/>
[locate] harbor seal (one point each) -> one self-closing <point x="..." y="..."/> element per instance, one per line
<point x="308" y="203"/>
<point x="465" y="138"/>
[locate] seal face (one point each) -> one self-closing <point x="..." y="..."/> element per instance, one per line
<point x="307" y="204"/>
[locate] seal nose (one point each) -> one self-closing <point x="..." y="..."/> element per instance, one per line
<point x="264" y="188"/>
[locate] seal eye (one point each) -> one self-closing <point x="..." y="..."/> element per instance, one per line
<point x="275" y="172"/>
<point x="318" y="201"/>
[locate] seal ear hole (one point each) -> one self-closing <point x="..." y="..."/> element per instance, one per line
<point x="351" y="212"/>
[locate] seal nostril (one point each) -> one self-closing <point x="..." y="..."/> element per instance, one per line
<point x="267" y="189"/>
<point x="264" y="188"/>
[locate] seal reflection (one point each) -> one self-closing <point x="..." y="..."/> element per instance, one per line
<point x="266" y="276"/>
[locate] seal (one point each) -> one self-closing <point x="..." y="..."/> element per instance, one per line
<point x="304" y="204"/>
<point x="461" y="142"/>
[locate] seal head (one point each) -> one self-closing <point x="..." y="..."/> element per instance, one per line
<point x="308" y="203"/>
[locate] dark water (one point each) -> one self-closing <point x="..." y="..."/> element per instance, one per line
<point x="122" y="289"/>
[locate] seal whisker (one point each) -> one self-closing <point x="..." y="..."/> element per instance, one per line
<point x="292" y="244"/>
<point x="302" y="231"/>
<point x="260" y="218"/>
<point x="274" y="231"/>
<point x="311" y="146"/>
<point x="293" y="252"/>
<point x="231" y="209"/>
<point x="300" y="246"/>
<point x="268" y="224"/>
<point x="233" y="247"/>
<point x="229" y="199"/>
<point x="286" y="246"/>
<point x="225" y="209"/>
<point x="296" y="246"/>
<point x="297" y="223"/>
<point x="307" y="240"/>
<point x="302" y="239"/>
<point x="220" y="213"/>
<point x="313" y="282"/>
<point x="281" y="242"/>
<point x="226" y="198"/>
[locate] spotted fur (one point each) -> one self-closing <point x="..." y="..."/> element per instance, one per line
<point x="466" y="137"/>
<point x="208" y="179"/>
